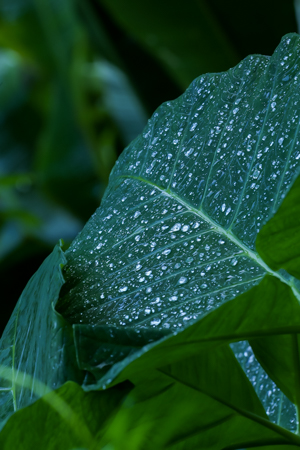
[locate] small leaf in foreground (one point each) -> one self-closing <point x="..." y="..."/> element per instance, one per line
<point x="62" y="419"/>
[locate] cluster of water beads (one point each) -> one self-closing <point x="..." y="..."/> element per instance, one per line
<point x="158" y="252"/>
<point x="279" y="408"/>
<point x="177" y="257"/>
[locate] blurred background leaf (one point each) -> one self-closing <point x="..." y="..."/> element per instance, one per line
<point x="78" y="81"/>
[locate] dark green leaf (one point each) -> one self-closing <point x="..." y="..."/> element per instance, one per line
<point x="280" y="357"/>
<point x="201" y="402"/>
<point x="199" y="46"/>
<point x="37" y="341"/>
<point x="99" y="348"/>
<point x="278" y="242"/>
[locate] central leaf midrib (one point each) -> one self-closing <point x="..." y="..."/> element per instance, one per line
<point x="228" y="234"/>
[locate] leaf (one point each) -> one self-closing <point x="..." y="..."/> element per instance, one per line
<point x="76" y="417"/>
<point x="119" y="98"/>
<point x="278" y="407"/>
<point x="200" y="402"/>
<point x="37" y="341"/>
<point x="184" y="54"/>
<point x="278" y="242"/>
<point x="101" y="348"/>
<point x="174" y="237"/>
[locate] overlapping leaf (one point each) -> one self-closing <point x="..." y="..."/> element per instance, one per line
<point x="37" y="341"/>
<point x="175" y="235"/>
<point x="62" y="419"/>
<point x="172" y="248"/>
<point x="213" y="403"/>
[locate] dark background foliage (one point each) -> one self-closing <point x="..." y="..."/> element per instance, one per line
<point x="78" y="81"/>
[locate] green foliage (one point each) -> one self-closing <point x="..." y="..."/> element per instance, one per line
<point x="177" y="306"/>
<point x="78" y="81"/>
<point x="42" y="348"/>
<point x="74" y="415"/>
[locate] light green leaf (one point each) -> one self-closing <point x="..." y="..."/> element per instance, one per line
<point x="62" y="419"/>
<point x="37" y="341"/>
<point x="205" y="402"/>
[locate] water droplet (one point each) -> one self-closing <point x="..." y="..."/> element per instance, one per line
<point x="176" y="227"/>
<point x="173" y="298"/>
<point x="123" y="289"/>
<point x="189" y="152"/>
<point x="182" y="280"/>
<point x="137" y="238"/>
<point x="155" y="322"/>
<point x="137" y="214"/>
<point x="166" y="252"/>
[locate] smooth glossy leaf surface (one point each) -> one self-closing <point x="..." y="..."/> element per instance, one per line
<point x="37" y="340"/>
<point x="213" y="407"/>
<point x="279" y="240"/>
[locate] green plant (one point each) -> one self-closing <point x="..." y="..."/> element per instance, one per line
<point x="177" y="306"/>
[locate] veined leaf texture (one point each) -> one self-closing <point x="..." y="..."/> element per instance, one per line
<point x="175" y="234"/>
<point x="174" y="237"/>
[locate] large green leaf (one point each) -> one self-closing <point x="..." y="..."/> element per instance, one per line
<point x="174" y="238"/>
<point x="242" y="318"/>
<point x="103" y="348"/>
<point x="175" y="235"/>
<point x="213" y="406"/>
<point x="37" y="341"/>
